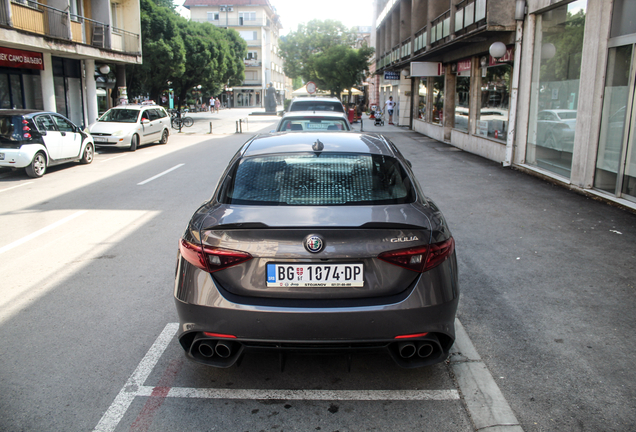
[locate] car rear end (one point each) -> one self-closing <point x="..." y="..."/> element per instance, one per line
<point x="19" y="139"/>
<point x="282" y="260"/>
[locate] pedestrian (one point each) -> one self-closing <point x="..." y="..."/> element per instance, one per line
<point x="217" y="104"/>
<point x="212" y="103"/>
<point x="389" y="105"/>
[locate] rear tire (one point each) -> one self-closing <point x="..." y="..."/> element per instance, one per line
<point x="188" y="121"/>
<point x="37" y="168"/>
<point x="134" y="142"/>
<point x="164" y="137"/>
<point x="89" y="153"/>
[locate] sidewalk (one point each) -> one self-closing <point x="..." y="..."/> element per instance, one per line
<point x="547" y="277"/>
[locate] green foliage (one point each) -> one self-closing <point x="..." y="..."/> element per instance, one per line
<point x="322" y="52"/>
<point x="568" y="41"/>
<point x="185" y="53"/>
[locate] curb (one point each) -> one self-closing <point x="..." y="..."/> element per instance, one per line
<point x="485" y="403"/>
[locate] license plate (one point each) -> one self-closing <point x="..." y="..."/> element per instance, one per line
<point x="100" y="139"/>
<point x="1" y="156"/>
<point x="315" y="275"/>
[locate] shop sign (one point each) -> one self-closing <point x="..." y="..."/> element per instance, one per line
<point x="507" y="58"/>
<point x="21" y="59"/>
<point x="391" y="75"/>
<point x="426" y="69"/>
<point x="464" y="65"/>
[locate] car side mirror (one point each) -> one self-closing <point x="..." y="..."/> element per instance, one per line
<point x="145" y="121"/>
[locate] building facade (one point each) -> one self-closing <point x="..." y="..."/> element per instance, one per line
<point x="56" y="56"/>
<point x="258" y="23"/>
<point x="544" y="85"/>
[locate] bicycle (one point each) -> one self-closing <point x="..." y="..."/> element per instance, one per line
<point x="179" y="121"/>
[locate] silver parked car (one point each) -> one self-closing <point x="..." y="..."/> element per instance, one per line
<point x="317" y="242"/>
<point x="311" y="121"/>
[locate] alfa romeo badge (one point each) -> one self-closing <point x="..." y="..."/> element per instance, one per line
<point x="314" y="243"/>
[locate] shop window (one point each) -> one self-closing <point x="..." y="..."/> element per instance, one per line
<point x="492" y="118"/>
<point x="423" y="94"/>
<point x="462" y="102"/>
<point x="555" y="87"/>
<point x="437" y="112"/>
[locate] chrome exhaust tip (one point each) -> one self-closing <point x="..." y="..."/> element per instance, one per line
<point x="223" y="349"/>
<point x="425" y="349"/>
<point x="406" y="349"/>
<point x="206" y="349"/>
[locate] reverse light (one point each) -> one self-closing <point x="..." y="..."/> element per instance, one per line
<point x="420" y="258"/>
<point x="211" y="259"/>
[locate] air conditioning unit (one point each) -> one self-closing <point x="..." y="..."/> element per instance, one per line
<point x="230" y="9"/>
<point x="222" y="9"/>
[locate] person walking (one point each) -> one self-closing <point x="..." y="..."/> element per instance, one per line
<point x="389" y="106"/>
<point x="211" y="103"/>
<point x="217" y="104"/>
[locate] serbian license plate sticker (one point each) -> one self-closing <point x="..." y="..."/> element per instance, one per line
<point x="315" y="275"/>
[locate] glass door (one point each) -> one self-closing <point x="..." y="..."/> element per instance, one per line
<point x="616" y="159"/>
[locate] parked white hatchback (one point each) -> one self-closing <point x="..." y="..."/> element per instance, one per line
<point x="129" y="126"/>
<point x="35" y="140"/>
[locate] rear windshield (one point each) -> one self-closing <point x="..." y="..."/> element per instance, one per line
<point x="317" y="179"/>
<point x="11" y="128"/>
<point x="313" y="124"/>
<point x="310" y="105"/>
<point x="120" y="116"/>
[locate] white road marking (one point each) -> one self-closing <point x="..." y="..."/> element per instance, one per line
<point x="106" y="160"/>
<point x="20" y="185"/>
<point x="329" y="395"/>
<point x="40" y="232"/>
<point x="115" y="413"/>
<point x="159" y="175"/>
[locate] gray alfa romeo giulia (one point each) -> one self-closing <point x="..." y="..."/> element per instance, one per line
<point x="317" y="242"/>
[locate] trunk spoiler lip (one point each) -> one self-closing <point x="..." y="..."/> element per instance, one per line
<point x="368" y="225"/>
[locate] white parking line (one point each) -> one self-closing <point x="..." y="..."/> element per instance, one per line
<point x="20" y="185"/>
<point x="329" y="395"/>
<point x="40" y="232"/>
<point x="134" y="387"/>
<point x="159" y="175"/>
<point x="115" y="413"/>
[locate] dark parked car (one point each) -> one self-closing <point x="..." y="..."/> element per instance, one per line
<point x="317" y="242"/>
<point x="35" y="140"/>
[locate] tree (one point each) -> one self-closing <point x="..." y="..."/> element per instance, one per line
<point x="322" y="52"/>
<point x="184" y="53"/>
<point x="163" y="51"/>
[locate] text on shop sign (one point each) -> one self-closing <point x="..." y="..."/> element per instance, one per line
<point x="21" y="59"/>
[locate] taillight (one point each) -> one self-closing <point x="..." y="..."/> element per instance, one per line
<point x="211" y="259"/>
<point x="420" y="258"/>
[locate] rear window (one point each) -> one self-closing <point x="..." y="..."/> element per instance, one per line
<point x="120" y="116"/>
<point x="313" y="124"/>
<point x="317" y="179"/>
<point x="310" y="105"/>
<point x="11" y="128"/>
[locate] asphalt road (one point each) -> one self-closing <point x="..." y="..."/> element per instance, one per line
<point x="87" y="259"/>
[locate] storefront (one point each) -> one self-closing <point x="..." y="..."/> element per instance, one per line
<point x="20" y="84"/>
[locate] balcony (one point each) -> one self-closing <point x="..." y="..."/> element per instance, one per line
<point x="440" y="28"/>
<point x="40" y="19"/>
<point x="253" y="63"/>
<point x="470" y="14"/>
<point x="236" y="22"/>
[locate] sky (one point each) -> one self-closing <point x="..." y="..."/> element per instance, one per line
<point x="293" y="12"/>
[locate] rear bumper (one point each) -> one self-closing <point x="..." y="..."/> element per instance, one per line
<point x="428" y="306"/>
